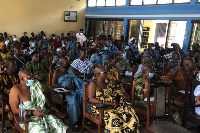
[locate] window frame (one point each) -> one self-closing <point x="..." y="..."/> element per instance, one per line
<point x="173" y="2"/>
<point x="105" y="4"/>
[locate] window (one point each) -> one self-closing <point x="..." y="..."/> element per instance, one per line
<point x="153" y="2"/>
<point x="91" y="3"/>
<point x="181" y="1"/>
<point x="101" y="2"/>
<point x="110" y="2"/>
<point x="136" y="2"/>
<point x="149" y="2"/>
<point x="120" y="2"/>
<point x="164" y="1"/>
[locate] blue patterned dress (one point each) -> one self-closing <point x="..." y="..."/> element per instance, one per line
<point x="75" y="98"/>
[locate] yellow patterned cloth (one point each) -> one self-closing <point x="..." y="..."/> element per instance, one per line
<point x="6" y="83"/>
<point x="1" y="44"/>
<point x="121" y="119"/>
<point x="5" y="56"/>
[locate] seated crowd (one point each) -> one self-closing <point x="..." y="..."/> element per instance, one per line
<point x="72" y="61"/>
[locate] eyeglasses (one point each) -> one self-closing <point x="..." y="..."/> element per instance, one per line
<point x="105" y="72"/>
<point x="28" y="77"/>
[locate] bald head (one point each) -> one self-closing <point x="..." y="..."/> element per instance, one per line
<point x="148" y="60"/>
<point x="22" y="73"/>
<point x="62" y="60"/>
<point x="147" y="68"/>
<point x="98" y="69"/>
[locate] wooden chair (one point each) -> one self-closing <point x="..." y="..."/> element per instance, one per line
<point x="3" y="112"/>
<point x="134" y="70"/>
<point x="189" y="108"/>
<point x="155" y="123"/>
<point x="99" y="121"/>
<point x="164" y="66"/>
<point x="50" y="75"/>
<point x="61" y="101"/>
<point x="138" y="110"/>
<point x="18" y="120"/>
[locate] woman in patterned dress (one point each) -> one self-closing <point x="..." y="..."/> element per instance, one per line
<point x="119" y="119"/>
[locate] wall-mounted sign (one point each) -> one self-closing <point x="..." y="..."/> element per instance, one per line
<point x="70" y="16"/>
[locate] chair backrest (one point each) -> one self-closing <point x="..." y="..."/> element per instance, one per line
<point x="160" y="101"/>
<point x="50" y="75"/>
<point x="85" y="96"/>
<point x="159" y="104"/>
<point x="133" y="71"/>
<point x="163" y="67"/>
<point x="133" y="93"/>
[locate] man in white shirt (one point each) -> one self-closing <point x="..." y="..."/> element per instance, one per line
<point x="81" y="37"/>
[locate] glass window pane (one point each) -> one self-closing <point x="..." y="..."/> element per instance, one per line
<point x="110" y="2"/>
<point x="164" y="1"/>
<point x="120" y="2"/>
<point x="100" y="2"/>
<point x="136" y="2"/>
<point x="148" y="2"/>
<point x="91" y="3"/>
<point x="181" y="1"/>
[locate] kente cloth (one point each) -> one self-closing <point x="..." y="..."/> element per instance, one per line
<point x="44" y="124"/>
<point x="75" y="97"/>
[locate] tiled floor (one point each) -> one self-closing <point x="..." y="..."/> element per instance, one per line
<point x="191" y="127"/>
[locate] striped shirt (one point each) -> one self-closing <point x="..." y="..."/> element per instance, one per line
<point x="82" y="66"/>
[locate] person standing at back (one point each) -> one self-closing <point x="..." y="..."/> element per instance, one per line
<point x="81" y="37"/>
<point x="24" y="40"/>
